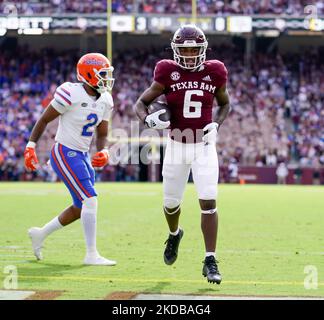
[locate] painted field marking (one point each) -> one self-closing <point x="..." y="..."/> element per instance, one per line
<point x="15" y="294"/>
<point x="27" y="255"/>
<point x="75" y="278"/>
<point x="15" y="261"/>
<point x="13" y="249"/>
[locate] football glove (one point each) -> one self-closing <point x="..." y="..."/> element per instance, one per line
<point x="153" y="121"/>
<point x="210" y="133"/>
<point x="30" y="156"/>
<point x="100" y="159"/>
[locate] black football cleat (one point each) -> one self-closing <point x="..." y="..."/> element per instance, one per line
<point x="172" y="245"/>
<point x="210" y="270"/>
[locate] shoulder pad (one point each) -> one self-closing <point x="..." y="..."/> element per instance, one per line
<point x="216" y="66"/>
<point x="67" y="94"/>
<point x="108" y="99"/>
<point x="165" y="63"/>
<point x="162" y="71"/>
<point x="218" y="72"/>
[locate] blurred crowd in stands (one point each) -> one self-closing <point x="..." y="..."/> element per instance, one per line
<point x="283" y="7"/>
<point x="277" y="101"/>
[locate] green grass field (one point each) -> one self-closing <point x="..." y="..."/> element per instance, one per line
<point x="267" y="236"/>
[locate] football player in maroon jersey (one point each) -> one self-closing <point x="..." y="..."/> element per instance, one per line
<point x="190" y="84"/>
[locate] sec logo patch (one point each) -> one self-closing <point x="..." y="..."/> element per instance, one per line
<point x="71" y="154"/>
<point x="175" y="75"/>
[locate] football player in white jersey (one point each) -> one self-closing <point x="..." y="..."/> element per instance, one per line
<point x="82" y="108"/>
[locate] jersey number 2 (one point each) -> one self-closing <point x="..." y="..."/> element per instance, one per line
<point x="192" y="109"/>
<point x="93" y="118"/>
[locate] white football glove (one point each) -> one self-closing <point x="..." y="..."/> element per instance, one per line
<point x="210" y="130"/>
<point x="153" y="120"/>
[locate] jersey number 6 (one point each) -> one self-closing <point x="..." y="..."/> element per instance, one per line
<point x="192" y="109"/>
<point x="93" y="118"/>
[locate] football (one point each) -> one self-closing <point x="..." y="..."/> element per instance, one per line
<point x="158" y="105"/>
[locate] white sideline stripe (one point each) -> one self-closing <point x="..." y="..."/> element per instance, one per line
<point x="27" y="255"/>
<point x="67" y="173"/>
<point x="14" y="262"/>
<point x="15" y="295"/>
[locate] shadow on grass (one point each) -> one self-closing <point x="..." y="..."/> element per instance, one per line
<point x="43" y="271"/>
<point x="157" y="288"/>
<point x="212" y="289"/>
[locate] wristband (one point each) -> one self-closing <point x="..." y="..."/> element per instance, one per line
<point x="105" y="150"/>
<point x="31" y="144"/>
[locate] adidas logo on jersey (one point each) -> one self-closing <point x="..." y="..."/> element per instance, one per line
<point x="207" y="78"/>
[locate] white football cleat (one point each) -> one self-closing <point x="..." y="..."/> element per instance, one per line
<point x="98" y="260"/>
<point x="37" y="240"/>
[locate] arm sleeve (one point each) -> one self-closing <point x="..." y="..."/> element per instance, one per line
<point x="62" y="98"/>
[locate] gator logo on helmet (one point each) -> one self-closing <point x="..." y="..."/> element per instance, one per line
<point x="94" y="62"/>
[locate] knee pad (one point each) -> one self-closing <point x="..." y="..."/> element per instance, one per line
<point x="90" y="204"/>
<point x="172" y="204"/>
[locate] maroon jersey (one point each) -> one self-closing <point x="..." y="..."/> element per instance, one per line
<point x="190" y="94"/>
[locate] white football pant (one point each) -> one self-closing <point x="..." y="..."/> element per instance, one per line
<point x="178" y="160"/>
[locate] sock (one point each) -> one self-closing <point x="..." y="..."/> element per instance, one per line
<point x="51" y="226"/>
<point x="208" y="254"/>
<point x="175" y="232"/>
<point x="89" y="222"/>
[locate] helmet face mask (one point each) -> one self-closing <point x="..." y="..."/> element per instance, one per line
<point x="105" y="79"/>
<point x="95" y="70"/>
<point x="189" y="36"/>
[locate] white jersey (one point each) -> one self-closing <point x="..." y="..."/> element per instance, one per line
<point x="80" y="115"/>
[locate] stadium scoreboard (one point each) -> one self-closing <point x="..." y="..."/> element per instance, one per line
<point x="157" y="23"/>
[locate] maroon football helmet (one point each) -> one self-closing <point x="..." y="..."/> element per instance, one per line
<point x="189" y="36"/>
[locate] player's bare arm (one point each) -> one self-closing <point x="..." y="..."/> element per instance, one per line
<point x="147" y="97"/>
<point x="30" y="156"/>
<point x="223" y="101"/>
<point x="102" y="136"/>
<point x="211" y="129"/>
<point x="47" y="116"/>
